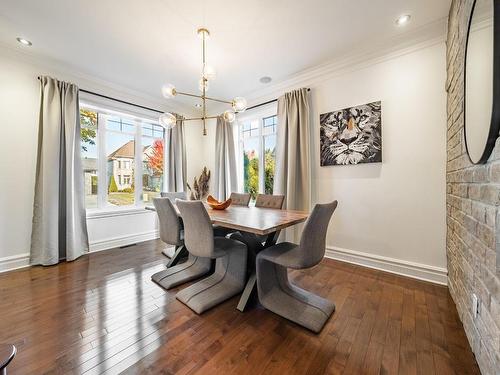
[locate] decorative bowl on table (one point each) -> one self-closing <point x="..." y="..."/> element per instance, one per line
<point x="216" y="205"/>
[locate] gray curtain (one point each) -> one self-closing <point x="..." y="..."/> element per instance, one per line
<point x="293" y="154"/>
<point x="225" y="180"/>
<point x="59" y="220"/>
<point x="175" y="157"/>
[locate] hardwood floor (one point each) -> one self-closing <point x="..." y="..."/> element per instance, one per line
<point x="102" y="314"/>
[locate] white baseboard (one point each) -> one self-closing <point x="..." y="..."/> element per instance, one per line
<point x="437" y="275"/>
<point x="23" y="260"/>
<point x="14" y="262"/>
<point x="110" y="243"/>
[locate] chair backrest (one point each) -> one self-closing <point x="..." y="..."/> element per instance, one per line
<point x="198" y="230"/>
<point x="240" y="199"/>
<point x="169" y="221"/>
<point x="313" y="240"/>
<point x="270" y="201"/>
<point x="173" y="196"/>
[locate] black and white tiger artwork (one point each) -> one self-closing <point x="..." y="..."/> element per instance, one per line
<point x="352" y="135"/>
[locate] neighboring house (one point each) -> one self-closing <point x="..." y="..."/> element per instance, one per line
<point x="121" y="167"/>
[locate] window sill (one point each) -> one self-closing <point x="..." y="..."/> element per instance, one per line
<point x="100" y="213"/>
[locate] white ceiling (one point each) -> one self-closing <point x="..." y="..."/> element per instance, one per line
<point x="142" y="44"/>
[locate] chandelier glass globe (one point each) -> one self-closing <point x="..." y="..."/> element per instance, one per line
<point x="167" y="120"/>
<point x="239" y="104"/>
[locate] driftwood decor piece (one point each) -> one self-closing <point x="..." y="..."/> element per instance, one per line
<point x="200" y="186"/>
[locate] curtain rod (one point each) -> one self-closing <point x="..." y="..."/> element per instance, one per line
<point x="117" y="100"/>
<point x="266" y="103"/>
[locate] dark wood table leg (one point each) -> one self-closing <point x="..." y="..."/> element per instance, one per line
<point x="247" y="292"/>
<point x="251" y="286"/>
<point x="180" y="252"/>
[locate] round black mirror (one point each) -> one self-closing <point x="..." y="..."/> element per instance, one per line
<point x="482" y="81"/>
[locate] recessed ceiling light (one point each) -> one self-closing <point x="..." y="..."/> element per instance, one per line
<point x="24" y="42"/>
<point x="265" y="79"/>
<point x="197" y="105"/>
<point x="403" y="20"/>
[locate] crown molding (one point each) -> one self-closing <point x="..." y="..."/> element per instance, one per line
<point x="363" y="56"/>
<point x="50" y="66"/>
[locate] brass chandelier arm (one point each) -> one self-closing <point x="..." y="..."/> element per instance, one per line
<point x="219" y="100"/>
<point x="201" y="97"/>
<point x="199" y="118"/>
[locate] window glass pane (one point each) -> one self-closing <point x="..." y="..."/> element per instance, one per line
<point x="270" y="125"/>
<point x="120" y="125"/>
<point x="88" y="132"/>
<point x="120" y="151"/>
<point x="269" y="162"/>
<point x="254" y="128"/>
<point x="152" y="168"/>
<point x="251" y="166"/>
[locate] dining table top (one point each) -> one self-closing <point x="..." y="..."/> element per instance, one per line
<point x="257" y="220"/>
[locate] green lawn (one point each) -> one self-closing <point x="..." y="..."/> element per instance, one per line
<point x="121" y="199"/>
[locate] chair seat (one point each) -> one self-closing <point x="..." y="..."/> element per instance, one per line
<point x="222" y="245"/>
<point x="285" y="254"/>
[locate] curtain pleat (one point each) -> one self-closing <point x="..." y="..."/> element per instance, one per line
<point x="59" y="228"/>
<point x="225" y="180"/>
<point x="176" y="158"/>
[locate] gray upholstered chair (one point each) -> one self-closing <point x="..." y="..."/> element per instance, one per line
<point x="270" y="201"/>
<point x="169" y="251"/>
<point x="172" y="233"/>
<point x="240" y="199"/>
<point x="230" y="260"/>
<point x="174" y="195"/>
<point x="237" y="199"/>
<point x="276" y="293"/>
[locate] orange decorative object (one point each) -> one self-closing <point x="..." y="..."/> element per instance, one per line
<point x="216" y="205"/>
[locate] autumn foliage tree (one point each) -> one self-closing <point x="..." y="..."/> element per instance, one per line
<point x="155" y="157"/>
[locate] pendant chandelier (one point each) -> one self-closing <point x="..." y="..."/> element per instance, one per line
<point x="238" y="104"/>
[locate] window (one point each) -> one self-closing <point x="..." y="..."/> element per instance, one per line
<point x="258" y="153"/>
<point x="122" y="159"/>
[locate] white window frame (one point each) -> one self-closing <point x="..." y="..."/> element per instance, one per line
<point x="103" y="207"/>
<point x="252" y="115"/>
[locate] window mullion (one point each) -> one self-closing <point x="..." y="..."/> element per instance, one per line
<point x="138" y="163"/>
<point x="102" y="183"/>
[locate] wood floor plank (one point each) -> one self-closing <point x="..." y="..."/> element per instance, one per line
<point x="102" y="314"/>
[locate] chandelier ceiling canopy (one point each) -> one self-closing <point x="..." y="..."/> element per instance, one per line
<point x="238" y="104"/>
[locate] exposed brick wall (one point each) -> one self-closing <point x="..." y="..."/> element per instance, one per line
<point x="473" y="218"/>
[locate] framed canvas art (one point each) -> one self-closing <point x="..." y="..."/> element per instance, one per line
<point x="351" y="135"/>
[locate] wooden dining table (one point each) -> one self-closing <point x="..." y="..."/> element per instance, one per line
<point x="258" y="221"/>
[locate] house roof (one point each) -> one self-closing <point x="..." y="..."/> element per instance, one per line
<point x="125" y="151"/>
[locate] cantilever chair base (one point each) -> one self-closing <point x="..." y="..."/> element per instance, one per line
<point x="227" y="280"/>
<point x="193" y="268"/>
<point x="278" y="295"/>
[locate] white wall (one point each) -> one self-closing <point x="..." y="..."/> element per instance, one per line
<point x="19" y="106"/>
<point x="396" y="208"/>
